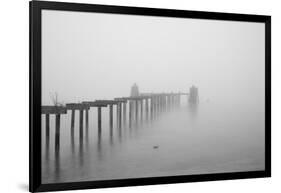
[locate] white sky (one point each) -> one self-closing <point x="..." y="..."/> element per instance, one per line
<point x="89" y="56"/>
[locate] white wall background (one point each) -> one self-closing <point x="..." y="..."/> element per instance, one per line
<point x="14" y="94"/>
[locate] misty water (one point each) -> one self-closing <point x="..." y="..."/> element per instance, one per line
<point x="91" y="56"/>
<point x="212" y="138"/>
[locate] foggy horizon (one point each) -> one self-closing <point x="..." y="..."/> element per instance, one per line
<point x="224" y="59"/>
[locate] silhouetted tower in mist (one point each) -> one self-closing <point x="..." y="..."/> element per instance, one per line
<point x="193" y="95"/>
<point x="134" y="90"/>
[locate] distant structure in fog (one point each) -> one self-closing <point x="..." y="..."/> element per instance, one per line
<point x="193" y="95"/>
<point x="134" y="90"/>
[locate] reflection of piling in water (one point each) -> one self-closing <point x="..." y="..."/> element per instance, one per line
<point x="57" y="165"/>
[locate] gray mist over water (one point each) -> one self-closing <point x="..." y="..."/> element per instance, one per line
<point x="90" y="56"/>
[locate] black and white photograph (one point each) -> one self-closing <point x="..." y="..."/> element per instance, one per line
<point x="143" y="96"/>
<point x="134" y="96"/>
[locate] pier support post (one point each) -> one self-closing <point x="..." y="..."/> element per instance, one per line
<point x="151" y="108"/>
<point x="120" y="115"/>
<point x="99" y="120"/>
<point x="146" y="109"/>
<point x="57" y="111"/>
<point x="165" y="103"/>
<point x="87" y="120"/>
<point x="130" y="113"/>
<point x="156" y="106"/>
<point x="124" y="113"/>
<point x="99" y="127"/>
<point x="141" y="110"/>
<point x="117" y="115"/>
<point x="168" y="102"/>
<point x="87" y="125"/>
<point x="136" y="109"/>
<point x="72" y="124"/>
<point x="162" y="103"/>
<point x="47" y="130"/>
<point x="57" y="134"/>
<point x="111" y="117"/>
<point x="81" y="115"/>
<point x="193" y="96"/>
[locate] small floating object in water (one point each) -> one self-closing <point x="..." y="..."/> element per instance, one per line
<point x="155" y="147"/>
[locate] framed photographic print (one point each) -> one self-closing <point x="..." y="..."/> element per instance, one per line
<point x="125" y="96"/>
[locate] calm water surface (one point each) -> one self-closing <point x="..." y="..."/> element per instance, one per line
<point x="209" y="139"/>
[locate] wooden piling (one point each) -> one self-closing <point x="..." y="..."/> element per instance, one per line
<point x="157" y="105"/>
<point x="117" y="115"/>
<point x="154" y="106"/>
<point x="99" y="120"/>
<point x="57" y="133"/>
<point x="81" y="114"/>
<point x="136" y="111"/>
<point x="146" y="109"/>
<point x="170" y="102"/>
<point x="57" y="110"/>
<point x="130" y="113"/>
<point x="120" y="115"/>
<point x="151" y="108"/>
<point x="161" y="103"/>
<point x="111" y="117"/>
<point x="124" y="113"/>
<point x="72" y="123"/>
<point x="87" y="120"/>
<point x="164" y="103"/>
<point x="141" y="110"/>
<point x="47" y="130"/>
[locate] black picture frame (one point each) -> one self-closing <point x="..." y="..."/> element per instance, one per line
<point x="35" y="184"/>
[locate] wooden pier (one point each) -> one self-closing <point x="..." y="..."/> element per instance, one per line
<point x="81" y="108"/>
<point x="130" y="111"/>
<point x="57" y="111"/>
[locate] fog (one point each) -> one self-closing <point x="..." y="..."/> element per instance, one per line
<point x="92" y="56"/>
<point x="88" y="56"/>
